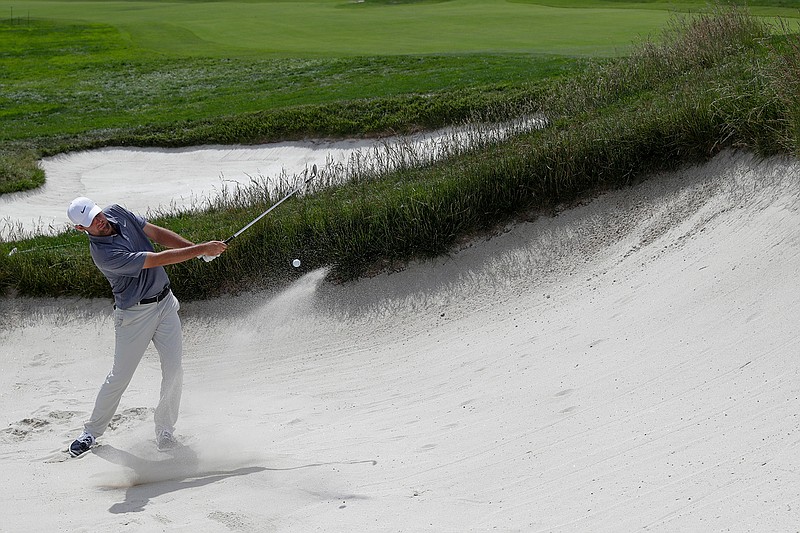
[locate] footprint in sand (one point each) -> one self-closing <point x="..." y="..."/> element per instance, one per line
<point x="24" y="428"/>
<point x="129" y="417"/>
<point x="233" y="521"/>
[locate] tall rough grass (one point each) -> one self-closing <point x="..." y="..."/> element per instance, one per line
<point x="783" y="75"/>
<point x="689" y="44"/>
<point x="713" y="81"/>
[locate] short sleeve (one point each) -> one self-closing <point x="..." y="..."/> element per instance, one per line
<point x="123" y="263"/>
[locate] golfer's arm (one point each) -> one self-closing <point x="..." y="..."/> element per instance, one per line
<point x="171" y="257"/>
<point x="165" y="237"/>
<point x="181" y="249"/>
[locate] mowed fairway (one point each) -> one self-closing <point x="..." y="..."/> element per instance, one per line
<point x="343" y="28"/>
<point x="76" y="67"/>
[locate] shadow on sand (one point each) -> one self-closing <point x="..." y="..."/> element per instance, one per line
<point x="150" y="479"/>
<point x="181" y="469"/>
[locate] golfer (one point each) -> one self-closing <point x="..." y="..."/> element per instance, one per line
<point x="145" y="309"/>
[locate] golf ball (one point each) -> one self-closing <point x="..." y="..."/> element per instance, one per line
<point x="296" y="263"/>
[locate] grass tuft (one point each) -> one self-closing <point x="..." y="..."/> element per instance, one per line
<point x="20" y="171"/>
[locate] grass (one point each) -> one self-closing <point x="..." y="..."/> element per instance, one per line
<point x="82" y="94"/>
<point x="340" y="28"/>
<point x="710" y="82"/>
<point x="19" y="171"/>
<point x="78" y="86"/>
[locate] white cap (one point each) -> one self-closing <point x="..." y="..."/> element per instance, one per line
<point x="82" y="211"/>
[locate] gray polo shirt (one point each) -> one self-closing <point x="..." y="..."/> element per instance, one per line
<point x="121" y="257"/>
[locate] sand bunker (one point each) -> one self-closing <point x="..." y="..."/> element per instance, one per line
<point x="159" y="179"/>
<point x="627" y="365"/>
<point x="152" y="178"/>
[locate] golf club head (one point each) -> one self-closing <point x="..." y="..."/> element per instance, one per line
<point x="12" y="252"/>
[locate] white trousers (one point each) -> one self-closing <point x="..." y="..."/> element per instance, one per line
<point x="135" y="327"/>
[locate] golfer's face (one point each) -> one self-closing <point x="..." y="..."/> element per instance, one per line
<point x="100" y="226"/>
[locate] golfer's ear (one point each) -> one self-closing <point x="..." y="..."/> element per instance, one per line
<point x="81" y="228"/>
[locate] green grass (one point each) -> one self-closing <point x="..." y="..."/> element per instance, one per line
<point x="340" y="28"/>
<point x="789" y="5"/>
<point x="722" y="80"/>
<point x="93" y="81"/>
<point x="71" y="86"/>
<point x="19" y="171"/>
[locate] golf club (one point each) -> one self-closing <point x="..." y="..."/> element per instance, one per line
<point x="209" y="258"/>
<point x="15" y="250"/>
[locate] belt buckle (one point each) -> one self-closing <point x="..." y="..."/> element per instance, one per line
<point x="162" y="294"/>
<point x="155" y="299"/>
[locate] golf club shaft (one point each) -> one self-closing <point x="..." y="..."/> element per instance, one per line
<point x="15" y="251"/>
<point x="265" y="213"/>
<point x="279" y="202"/>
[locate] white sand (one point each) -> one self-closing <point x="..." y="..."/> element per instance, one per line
<point x="628" y="365"/>
<point x="153" y="178"/>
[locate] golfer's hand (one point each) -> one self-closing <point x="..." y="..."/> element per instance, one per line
<point x="212" y="250"/>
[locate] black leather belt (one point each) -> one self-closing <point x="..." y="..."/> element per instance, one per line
<point x="163" y="294"/>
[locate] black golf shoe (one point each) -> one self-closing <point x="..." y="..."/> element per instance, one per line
<point x="81" y="445"/>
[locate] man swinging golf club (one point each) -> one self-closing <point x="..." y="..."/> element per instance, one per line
<point x="145" y="309"/>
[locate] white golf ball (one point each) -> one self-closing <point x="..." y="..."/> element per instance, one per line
<point x="296" y="263"/>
